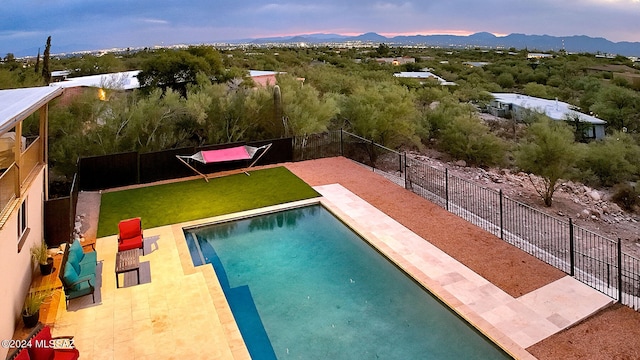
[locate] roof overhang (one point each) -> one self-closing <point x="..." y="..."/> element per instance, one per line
<point x="17" y="104"/>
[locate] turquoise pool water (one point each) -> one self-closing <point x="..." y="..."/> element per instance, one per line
<point x="302" y="285"/>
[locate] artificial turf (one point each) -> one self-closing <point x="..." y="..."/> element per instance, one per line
<point x="196" y="199"/>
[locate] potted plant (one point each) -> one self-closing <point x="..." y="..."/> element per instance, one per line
<point x="40" y="255"/>
<point x="32" y="304"/>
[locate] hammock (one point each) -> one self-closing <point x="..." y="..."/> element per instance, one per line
<point x="244" y="152"/>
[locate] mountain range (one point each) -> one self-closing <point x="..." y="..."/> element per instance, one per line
<point x="575" y="43"/>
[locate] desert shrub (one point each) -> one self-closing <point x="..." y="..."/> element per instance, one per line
<point x="468" y="139"/>
<point x="612" y="160"/>
<point x="626" y="196"/>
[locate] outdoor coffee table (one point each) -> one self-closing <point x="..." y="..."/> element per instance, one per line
<point x="127" y="261"/>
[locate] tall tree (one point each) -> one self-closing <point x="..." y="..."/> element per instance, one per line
<point x="173" y="69"/>
<point x="304" y="110"/>
<point x="37" y="67"/>
<point x="550" y="152"/>
<point x="46" y="73"/>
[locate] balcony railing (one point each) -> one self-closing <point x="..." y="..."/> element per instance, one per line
<point x="7" y="188"/>
<point x="31" y="158"/>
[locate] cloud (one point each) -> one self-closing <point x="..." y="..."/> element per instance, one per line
<point x="290" y="8"/>
<point x="146" y="22"/>
<point x="155" y="21"/>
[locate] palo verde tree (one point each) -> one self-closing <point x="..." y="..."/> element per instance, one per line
<point x="304" y="110"/>
<point x="548" y="151"/>
<point x="384" y="112"/>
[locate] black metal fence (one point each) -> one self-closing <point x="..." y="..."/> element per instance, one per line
<point x="589" y="257"/>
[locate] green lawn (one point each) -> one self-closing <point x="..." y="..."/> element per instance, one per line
<point x="196" y="199"/>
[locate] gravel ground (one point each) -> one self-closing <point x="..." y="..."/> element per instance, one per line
<point x="613" y="333"/>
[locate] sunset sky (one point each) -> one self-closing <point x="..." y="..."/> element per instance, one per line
<point x="91" y="25"/>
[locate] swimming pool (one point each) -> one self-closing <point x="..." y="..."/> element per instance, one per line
<point x="302" y="285"/>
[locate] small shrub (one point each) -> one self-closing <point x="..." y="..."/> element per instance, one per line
<point x="626" y="196"/>
<point x="467" y="138"/>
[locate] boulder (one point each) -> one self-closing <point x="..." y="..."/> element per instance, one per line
<point x="595" y="195"/>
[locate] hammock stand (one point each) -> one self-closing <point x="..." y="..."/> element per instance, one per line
<point x="244" y="152"/>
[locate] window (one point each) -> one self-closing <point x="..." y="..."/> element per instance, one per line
<point x="23" y="230"/>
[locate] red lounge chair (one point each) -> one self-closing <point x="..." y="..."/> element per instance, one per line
<point x="130" y="235"/>
<point x="43" y="346"/>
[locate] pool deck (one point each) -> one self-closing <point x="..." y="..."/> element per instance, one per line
<point x="179" y="311"/>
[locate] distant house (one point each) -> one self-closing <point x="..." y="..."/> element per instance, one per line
<point x="59" y="75"/>
<point x="422" y="76"/>
<point x="263" y="78"/>
<point x="23" y="191"/>
<point x="396" y="61"/>
<point x="519" y="106"/>
<point x="473" y="64"/>
<point x="126" y="80"/>
<point x="538" y="55"/>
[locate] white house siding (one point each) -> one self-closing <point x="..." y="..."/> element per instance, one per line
<point x="16" y="268"/>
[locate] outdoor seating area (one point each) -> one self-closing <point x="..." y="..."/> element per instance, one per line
<point x="78" y="272"/>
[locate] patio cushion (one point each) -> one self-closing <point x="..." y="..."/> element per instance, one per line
<point x="76" y="254"/>
<point x="87" y="269"/>
<point x="46" y="352"/>
<point x="128" y="244"/>
<point x="83" y="287"/>
<point x="70" y="275"/>
<point x="89" y="259"/>
<point x="130" y="228"/>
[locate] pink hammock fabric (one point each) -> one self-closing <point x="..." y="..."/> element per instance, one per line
<point x="230" y="154"/>
<point x="244" y="152"/>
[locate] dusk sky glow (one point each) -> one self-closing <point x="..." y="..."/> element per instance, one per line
<point x="91" y="25"/>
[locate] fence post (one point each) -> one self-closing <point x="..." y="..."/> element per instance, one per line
<point x="501" y="217"/>
<point x="373" y="164"/>
<point x="619" y="270"/>
<point x="138" y="168"/>
<point x="446" y="188"/>
<point x="341" y="146"/>
<point x="400" y="163"/>
<point x="406" y="174"/>
<point x="571" y="248"/>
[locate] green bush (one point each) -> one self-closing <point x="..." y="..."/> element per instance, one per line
<point x="612" y="160"/>
<point x="626" y="196"/>
<point x="468" y="139"/>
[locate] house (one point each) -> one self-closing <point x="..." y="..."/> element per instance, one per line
<point x="473" y="64"/>
<point x="396" y="61"/>
<point x="126" y="80"/>
<point x="519" y="106"/>
<point x="263" y="78"/>
<point x="23" y="191"/>
<point x="423" y="76"/>
<point x="538" y="56"/>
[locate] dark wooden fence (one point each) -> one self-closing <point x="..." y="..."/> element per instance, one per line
<point x="115" y="170"/>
